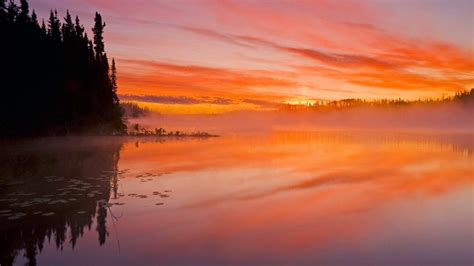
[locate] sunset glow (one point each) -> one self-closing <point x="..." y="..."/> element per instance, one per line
<point x="249" y="54"/>
<point x="237" y="132"/>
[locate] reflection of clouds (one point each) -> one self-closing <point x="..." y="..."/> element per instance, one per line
<point x="301" y="151"/>
<point x="270" y="198"/>
<point x="332" y="186"/>
<point x="365" y="170"/>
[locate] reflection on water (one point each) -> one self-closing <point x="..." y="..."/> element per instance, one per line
<point x="54" y="188"/>
<point x="282" y="198"/>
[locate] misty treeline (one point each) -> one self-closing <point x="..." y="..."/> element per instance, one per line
<point x="133" y="110"/>
<point x="463" y="98"/>
<point x="56" y="80"/>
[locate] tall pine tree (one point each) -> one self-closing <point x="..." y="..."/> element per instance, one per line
<point x="68" y="28"/>
<point x="12" y="11"/>
<point x="54" y="24"/>
<point x="98" y="30"/>
<point x="113" y="76"/>
<point x="3" y="11"/>
<point x="23" y="16"/>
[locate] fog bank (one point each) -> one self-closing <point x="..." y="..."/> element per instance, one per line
<point x="437" y="117"/>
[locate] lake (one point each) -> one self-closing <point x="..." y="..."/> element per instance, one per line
<point x="276" y="198"/>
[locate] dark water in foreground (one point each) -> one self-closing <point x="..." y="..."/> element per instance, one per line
<point x="286" y="198"/>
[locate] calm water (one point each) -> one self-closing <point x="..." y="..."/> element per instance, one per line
<point x="286" y="198"/>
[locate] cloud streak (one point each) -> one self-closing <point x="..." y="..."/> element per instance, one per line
<point x="264" y="52"/>
<point x="172" y="79"/>
<point x="175" y="99"/>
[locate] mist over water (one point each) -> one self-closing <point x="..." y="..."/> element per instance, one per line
<point x="359" y="185"/>
<point x="280" y="140"/>
<point x="436" y="117"/>
<point x="278" y="197"/>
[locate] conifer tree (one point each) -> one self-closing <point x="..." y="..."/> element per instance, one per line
<point x="56" y="79"/>
<point x="68" y="28"/>
<point x="34" y="18"/>
<point x="90" y="47"/>
<point x="78" y="28"/>
<point x="54" y="24"/>
<point x="98" y="31"/>
<point x="43" y="29"/>
<point x="12" y="11"/>
<point x="23" y="16"/>
<point x="113" y="76"/>
<point x="3" y="11"/>
<point x="113" y="81"/>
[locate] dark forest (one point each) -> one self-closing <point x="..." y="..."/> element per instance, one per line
<point x="56" y="80"/>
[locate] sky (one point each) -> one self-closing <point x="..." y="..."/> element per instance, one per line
<point x="215" y="56"/>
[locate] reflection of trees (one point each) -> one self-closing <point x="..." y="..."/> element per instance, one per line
<point x="101" y="224"/>
<point x="457" y="141"/>
<point x="75" y="174"/>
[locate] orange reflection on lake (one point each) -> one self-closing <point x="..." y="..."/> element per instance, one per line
<point x="287" y="198"/>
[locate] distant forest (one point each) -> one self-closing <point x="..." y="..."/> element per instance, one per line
<point x="463" y="98"/>
<point x="55" y="79"/>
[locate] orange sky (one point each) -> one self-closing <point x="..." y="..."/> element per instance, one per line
<point x="216" y="56"/>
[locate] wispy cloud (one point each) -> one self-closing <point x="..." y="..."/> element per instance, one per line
<point x="269" y="51"/>
<point x="391" y="73"/>
<point x="175" y="99"/>
<point x="172" y="79"/>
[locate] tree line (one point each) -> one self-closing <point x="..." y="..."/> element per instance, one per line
<point x="463" y="98"/>
<point x="55" y="80"/>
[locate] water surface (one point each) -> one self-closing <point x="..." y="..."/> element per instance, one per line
<point x="288" y="198"/>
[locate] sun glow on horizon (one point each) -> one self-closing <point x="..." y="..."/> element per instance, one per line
<point x="195" y="109"/>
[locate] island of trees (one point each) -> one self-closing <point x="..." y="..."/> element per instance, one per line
<point x="56" y="80"/>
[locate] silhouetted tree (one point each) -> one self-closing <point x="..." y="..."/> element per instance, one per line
<point x="78" y="28"/>
<point x="23" y="16"/>
<point x="113" y="75"/>
<point x="43" y="28"/>
<point x="98" y="30"/>
<point x="56" y="80"/>
<point x="34" y="19"/>
<point x="3" y="11"/>
<point x="113" y="80"/>
<point x="54" y="29"/>
<point x="68" y="28"/>
<point x="12" y="11"/>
